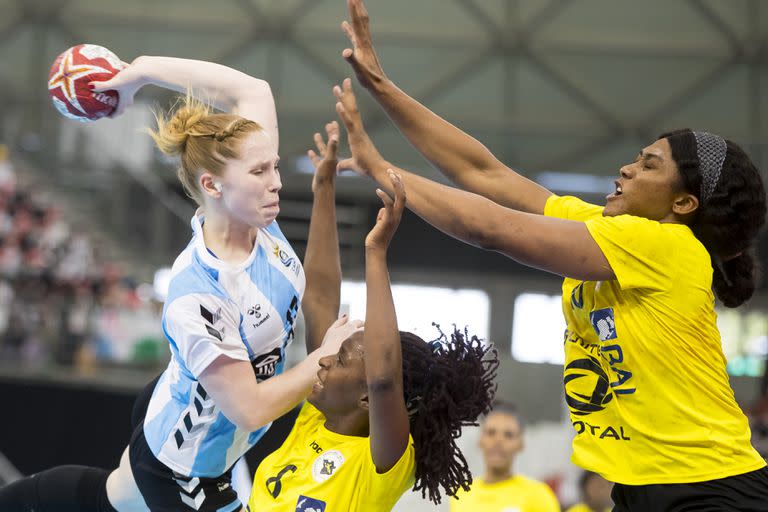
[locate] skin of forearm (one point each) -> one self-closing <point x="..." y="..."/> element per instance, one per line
<point x="224" y="85"/>
<point x="455" y="153"/>
<point x="274" y="397"/>
<point x="460" y="157"/>
<point x="383" y="359"/>
<point x="471" y="218"/>
<point x="322" y="266"/>
<point x="450" y="210"/>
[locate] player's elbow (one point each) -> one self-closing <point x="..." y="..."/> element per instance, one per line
<point x="250" y="422"/>
<point x="247" y="418"/>
<point x="481" y="236"/>
<point x="257" y="90"/>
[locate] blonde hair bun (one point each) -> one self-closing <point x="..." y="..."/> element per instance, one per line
<point x="174" y="130"/>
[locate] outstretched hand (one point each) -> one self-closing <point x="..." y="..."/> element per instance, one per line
<point x="325" y="159"/>
<point x="127" y="83"/>
<point x="362" y="57"/>
<point x="364" y="153"/>
<point x="389" y="216"/>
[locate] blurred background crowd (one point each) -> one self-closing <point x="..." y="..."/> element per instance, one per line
<point x="61" y="301"/>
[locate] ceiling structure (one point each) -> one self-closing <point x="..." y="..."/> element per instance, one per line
<point x="560" y="85"/>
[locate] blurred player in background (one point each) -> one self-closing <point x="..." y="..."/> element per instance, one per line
<point x="595" y="494"/>
<point x="500" y="489"/>
<point x="645" y="376"/>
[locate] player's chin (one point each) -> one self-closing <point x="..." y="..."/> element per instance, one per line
<point x="613" y="208"/>
<point x="315" y="398"/>
<point x="259" y="220"/>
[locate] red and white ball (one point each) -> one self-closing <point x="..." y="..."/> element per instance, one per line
<point x="69" y="77"/>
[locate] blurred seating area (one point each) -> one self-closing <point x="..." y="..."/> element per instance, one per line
<point x="61" y="302"/>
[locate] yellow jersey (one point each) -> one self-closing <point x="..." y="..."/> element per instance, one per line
<point x="516" y="494"/>
<point x="316" y="470"/>
<point x="644" y="372"/>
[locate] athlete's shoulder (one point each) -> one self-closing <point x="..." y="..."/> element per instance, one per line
<point x="190" y="275"/>
<point x="571" y="208"/>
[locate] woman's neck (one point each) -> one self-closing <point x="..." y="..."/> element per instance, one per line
<point x="229" y="240"/>
<point x="353" y="424"/>
<point x="494" y="475"/>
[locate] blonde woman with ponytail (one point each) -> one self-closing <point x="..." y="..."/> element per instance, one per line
<point x="234" y="297"/>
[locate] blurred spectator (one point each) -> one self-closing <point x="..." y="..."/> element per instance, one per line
<point x="500" y="489"/>
<point x="56" y="302"/>
<point x="7" y="176"/>
<point x="595" y="494"/>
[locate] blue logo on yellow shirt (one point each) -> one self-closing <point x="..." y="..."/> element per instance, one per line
<point x="603" y="323"/>
<point x="306" y="504"/>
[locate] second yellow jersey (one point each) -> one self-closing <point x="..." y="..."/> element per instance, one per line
<point x="644" y="374"/>
<point x="516" y="494"/>
<point x="316" y="470"/>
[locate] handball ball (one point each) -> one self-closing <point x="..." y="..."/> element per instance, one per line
<point x="69" y="77"/>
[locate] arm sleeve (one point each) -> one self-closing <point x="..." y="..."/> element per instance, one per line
<point x="399" y="478"/>
<point x="640" y="251"/>
<point x="204" y="327"/>
<point x="571" y="208"/>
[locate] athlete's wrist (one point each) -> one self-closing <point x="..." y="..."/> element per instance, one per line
<point x="144" y="68"/>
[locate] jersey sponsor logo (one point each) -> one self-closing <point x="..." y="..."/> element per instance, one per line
<point x="286" y="259"/>
<point x="258" y="317"/>
<point x="615" y="357"/>
<point x="265" y="365"/>
<point x="316" y="447"/>
<point x="587" y="386"/>
<point x="609" y="432"/>
<point x="274" y="484"/>
<point x="326" y="465"/>
<point x="604" y="323"/>
<point x="307" y="504"/>
<point x="577" y="297"/>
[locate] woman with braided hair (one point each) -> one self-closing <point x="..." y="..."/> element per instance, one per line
<point x="233" y="299"/>
<point x="645" y="376"/>
<point x="386" y="410"/>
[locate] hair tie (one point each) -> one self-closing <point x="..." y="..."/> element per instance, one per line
<point x="710" y="150"/>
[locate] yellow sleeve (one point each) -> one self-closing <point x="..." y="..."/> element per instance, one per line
<point x="391" y="485"/>
<point x="571" y="208"/>
<point x="547" y="501"/>
<point x="639" y="250"/>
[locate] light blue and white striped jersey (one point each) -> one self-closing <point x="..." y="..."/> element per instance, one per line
<point x="214" y="308"/>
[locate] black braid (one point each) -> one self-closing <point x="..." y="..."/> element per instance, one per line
<point x="448" y="384"/>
